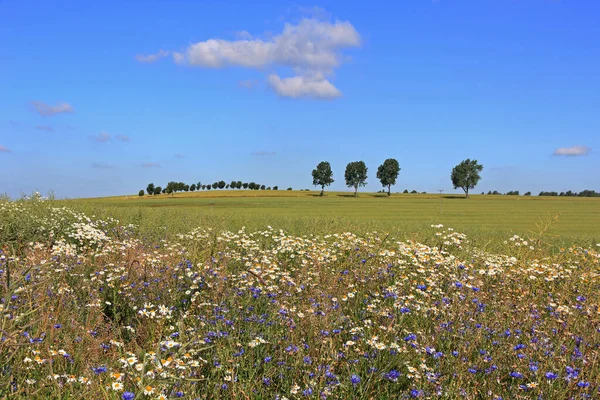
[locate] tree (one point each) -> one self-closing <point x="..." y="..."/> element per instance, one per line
<point x="289" y="188"/>
<point x="387" y="173"/>
<point x="245" y="185"/>
<point x="141" y="193"/>
<point x="215" y="185"/>
<point x="356" y="175"/>
<point x="527" y="194"/>
<point x="275" y="187"/>
<point x="405" y="191"/>
<point x="322" y="175"/>
<point x="150" y="188"/>
<point x="157" y="190"/>
<point x="239" y="184"/>
<point x="466" y="175"/>
<point x="193" y="187"/>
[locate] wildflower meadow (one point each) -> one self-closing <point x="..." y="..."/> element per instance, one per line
<point x="93" y="307"/>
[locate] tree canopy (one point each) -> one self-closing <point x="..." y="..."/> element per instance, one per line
<point x="356" y="175"/>
<point x="466" y="175"/>
<point x="387" y="173"/>
<point x="322" y="175"/>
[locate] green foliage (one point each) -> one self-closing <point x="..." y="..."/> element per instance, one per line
<point x="141" y="193"/>
<point x="387" y="173"/>
<point x="322" y="175"/>
<point x="150" y="188"/>
<point x="157" y="190"/>
<point x="356" y="175"/>
<point x="466" y="175"/>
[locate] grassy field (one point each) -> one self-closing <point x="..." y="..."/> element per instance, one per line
<point x="573" y="219"/>
<point x="129" y="298"/>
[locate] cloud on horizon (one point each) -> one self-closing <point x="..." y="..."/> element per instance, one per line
<point x="102" y="137"/>
<point x="4" y="150"/>
<point x="150" y="58"/>
<point x="312" y="49"/>
<point x="46" y="110"/>
<point x="573" y="151"/>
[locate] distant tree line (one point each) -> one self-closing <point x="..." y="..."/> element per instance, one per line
<point x="174" y="187"/>
<point x="569" y="193"/>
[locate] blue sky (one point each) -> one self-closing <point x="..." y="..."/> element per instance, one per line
<point x="101" y="98"/>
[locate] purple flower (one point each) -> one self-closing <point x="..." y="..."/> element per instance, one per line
<point x="128" y="396"/>
<point x="355" y="379"/>
<point x="551" y="375"/>
<point x="516" y="374"/>
<point x="393" y="375"/>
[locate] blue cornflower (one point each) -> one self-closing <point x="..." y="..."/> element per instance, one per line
<point x="128" y="396"/>
<point x="57" y="326"/>
<point x="179" y="394"/>
<point x="410" y="337"/>
<point x="355" y="379"/>
<point x="393" y="375"/>
<point x="551" y="375"/>
<point x="266" y="381"/>
<point x="583" y="384"/>
<point x="516" y="374"/>
<point x="416" y="393"/>
<point x="99" y="370"/>
<point x="268" y="359"/>
<point x="307" y="392"/>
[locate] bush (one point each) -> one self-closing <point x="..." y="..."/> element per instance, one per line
<point x="141" y="193"/>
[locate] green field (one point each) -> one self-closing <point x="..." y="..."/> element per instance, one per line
<point x="299" y="212"/>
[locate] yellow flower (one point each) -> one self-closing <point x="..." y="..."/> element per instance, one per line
<point x="148" y="390"/>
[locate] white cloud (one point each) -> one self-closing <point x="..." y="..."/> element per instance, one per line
<point x="302" y="86"/>
<point x="123" y="138"/>
<point x="312" y="49"/>
<point x="150" y="58"/>
<point x="46" y="110"/>
<point x="4" y="150"/>
<point x="46" y="128"/>
<point x="102" y="137"/>
<point x="572" y="151"/>
<point x="151" y="165"/>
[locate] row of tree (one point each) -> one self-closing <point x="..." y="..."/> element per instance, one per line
<point x="465" y="175"/>
<point x="356" y="174"/>
<point x="174" y="187"/>
<point x="568" y="193"/>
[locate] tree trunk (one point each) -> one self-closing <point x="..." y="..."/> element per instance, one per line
<point x="389" y="188"/>
<point x="467" y="193"/>
<point x="355" y="191"/>
<point x="322" y="189"/>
